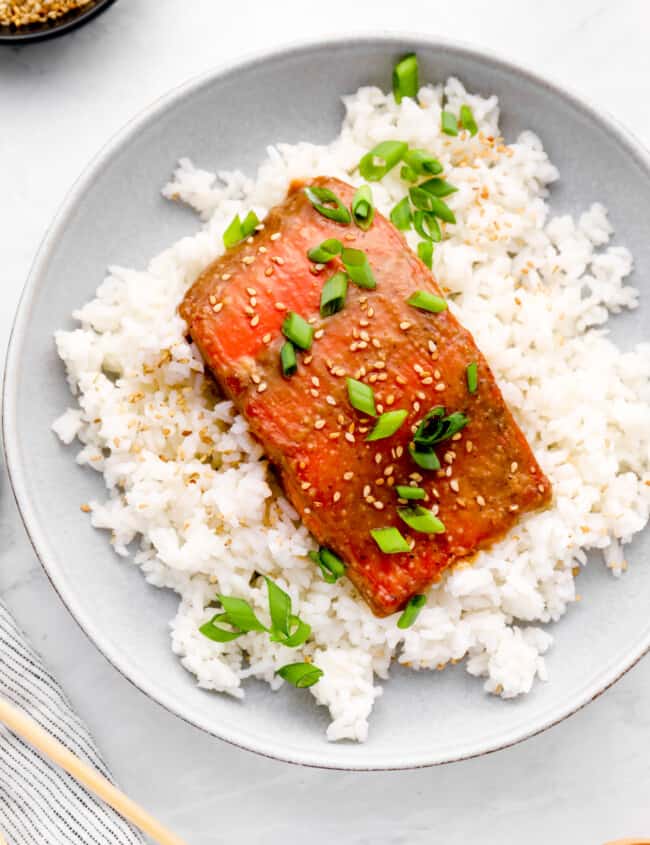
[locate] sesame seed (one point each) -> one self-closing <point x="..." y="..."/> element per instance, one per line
<point x="514" y="466"/>
<point x="318" y="334"/>
<point x="456" y="436"/>
<point x="280" y="306"/>
<point x="469" y="446"/>
<point x="255" y="378"/>
<point x="334" y="435"/>
<point x="454" y="485"/>
<point x="248" y="259"/>
<point x="415" y="476"/>
<point x="390" y="399"/>
<point x="440" y="387"/>
<point x="428" y="380"/>
<point x="267" y="337"/>
<point x="262" y="387"/>
<point x="371" y="312"/>
<point x="251" y="291"/>
<point x="340" y="419"/>
<point x="319" y="424"/>
<point x="349" y="437"/>
<point x="306" y="510"/>
<point x="432" y="346"/>
<point x="225" y="277"/>
<point x="276" y="236"/>
<point x="378" y="457"/>
<point x="255" y="320"/>
<point x="399" y="451"/>
<point x="307" y="359"/>
<point x="268" y="271"/>
<point x="405" y="325"/>
<point x="513" y="508"/>
<point x="378" y="505"/>
<point x="253" y="301"/>
<point x="379" y="365"/>
<point x="336" y="496"/>
<point x="436" y="373"/>
<point x="216" y="308"/>
<point x="416" y="408"/>
<point x="390" y="469"/>
<point x="449" y="457"/>
<point x="349" y="237"/>
<point x="366" y="491"/>
<point x="263" y="250"/>
<point x="541" y="488"/>
<point x="480" y="501"/>
<point x="347" y="476"/>
<point x="400" y="380"/>
<point x="277" y="259"/>
<point x="330" y="400"/>
<point x="248" y="310"/>
<point x="313" y="392"/>
<point x="305" y="485"/>
<point x="363" y="322"/>
<point x="213" y="299"/>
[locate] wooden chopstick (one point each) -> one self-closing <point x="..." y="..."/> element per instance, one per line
<point x="25" y="727"/>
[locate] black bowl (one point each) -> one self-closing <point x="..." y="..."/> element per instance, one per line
<point x="58" y="26"/>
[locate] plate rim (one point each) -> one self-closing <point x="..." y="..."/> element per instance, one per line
<point x="398" y="41"/>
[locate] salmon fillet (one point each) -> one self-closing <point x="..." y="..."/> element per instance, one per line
<point x="341" y="485"/>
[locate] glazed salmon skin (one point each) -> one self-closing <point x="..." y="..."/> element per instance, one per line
<point x="342" y="485"/>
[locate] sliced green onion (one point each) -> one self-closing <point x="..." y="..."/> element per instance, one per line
<point x="405" y="78"/>
<point x="279" y="608"/>
<point x="449" y="123"/>
<point x="297" y="330"/>
<point x="424" y="458"/>
<point x="420" y="519"/>
<point x="328" y="204"/>
<point x="238" y="230"/>
<point x="408" y="174"/>
<point x="420" y="199"/>
<point x="426" y="301"/>
<point x="288" y="359"/>
<point x="377" y="163"/>
<point x="239" y="614"/>
<point x="436" y="427"/>
<point x="404" y="491"/>
<point x="438" y="187"/>
<point x="420" y="161"/>
<point x="363" y="210"/>
<point x="217" y="634"/>
<point x="387" y="425"/>
<point x="331" y="566"/>
<point x="299" y="633"/>
<point x="472" y="377"/>
<point x="301" y="675"/>
<point x="325" y="251"/>
<point x="411" y="611"/>
<point x="441" y="209"/>
<point x="467" y="120"/>
<point x="425" y="253"/>
<point x="332" y="298"/>
<point x="362" y="397"/>
<point x="358" y="268"/>
<point x="427" y="226"/>
<point x="401" y="216"/>
<point x="390" y="540"/>
<point x="331" y="562"/>
<point x="426" y="201"/>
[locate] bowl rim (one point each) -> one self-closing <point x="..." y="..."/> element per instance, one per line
<point x="45" y="31"/>
<point x="399" y="41"/>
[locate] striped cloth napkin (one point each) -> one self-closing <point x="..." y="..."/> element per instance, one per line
<point x="39" y="803"/>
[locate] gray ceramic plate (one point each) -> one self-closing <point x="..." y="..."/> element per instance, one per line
<point x="115" y="214"/>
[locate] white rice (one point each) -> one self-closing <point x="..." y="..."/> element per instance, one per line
<point x="185" y="479"/>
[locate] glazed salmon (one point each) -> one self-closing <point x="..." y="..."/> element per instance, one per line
<point x="342" y="485"/>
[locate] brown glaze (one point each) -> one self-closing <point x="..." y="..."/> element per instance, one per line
<point x="303" y="421"/>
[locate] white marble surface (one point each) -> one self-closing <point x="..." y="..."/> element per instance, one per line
<point x="585" y="781"/>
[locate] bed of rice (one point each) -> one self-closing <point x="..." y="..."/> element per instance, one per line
<point x="189" y="484"/>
